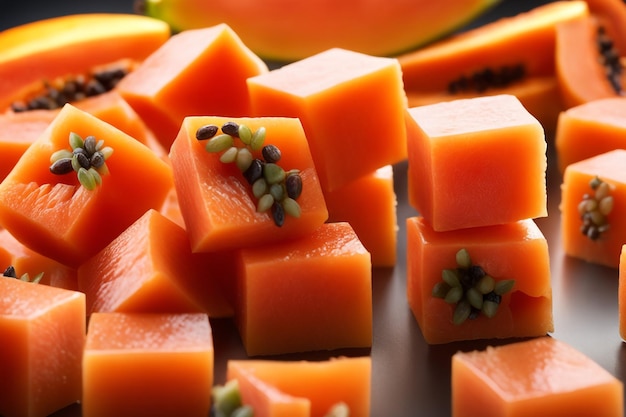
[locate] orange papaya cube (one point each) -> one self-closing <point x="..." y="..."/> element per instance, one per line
<point x="196" y="72"/>
<point x="590" y="129"/>
<point x="51" y="213"/>
<point x="309" y="294"/>
<point x="267" y="400"/>
<point x="323" y="383"/>
<point x="515" y="251"/>
<point x="476" y="162"/>
<point x="593" y="199"/>
<point x="622" y="292"/>
<point x="216" y="201"/>
<point x="19" y="130"/>
<point x="369" y="205"/>
<point x="43" y="334"/>
<point x="149" y="268"/>
<point x="27" y="261"/>
<point x="538" y="377"/>
<point x="147" y="364"/>
<point x="351" y="106"/>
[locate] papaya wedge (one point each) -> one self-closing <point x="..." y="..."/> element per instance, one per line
<point x="512" y="55"/>
<point x="294" y="30"/>
<point x="72" y="45"/>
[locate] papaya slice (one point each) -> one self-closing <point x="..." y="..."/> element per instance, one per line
<point x="72" y="45"/>
<point x="198" y="72"/>
<point x="494" y="59"/>
<point x="281" y="33"/>
<point x="588" y="62"/>
<point x="51" y="213"/>
<point x="217" y="202"/>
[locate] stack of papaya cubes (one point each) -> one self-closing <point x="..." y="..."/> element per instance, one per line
<point x="166" y="235"/>
<point x="478" y="265"/>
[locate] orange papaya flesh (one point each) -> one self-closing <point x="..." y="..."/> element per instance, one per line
<point x="323" y="383"/>
<point x="304" y="29"/>
<point x="50" y="213"/>
<point x="70" y="46"/>
<point x="27" y="261"/>
<point x="377" y="226"/>
<point x="216" y="201"/>
<point x="494" y="58"/>
<point x="341" y="98"/>
<point x="541" y="377"/>
<point x="329" y="308"/>
<point x="19" y="130"/>
<point x="196" y="72"/>
<point x="149" y="268"/>
<point x="611" y="15"/>
<point x="516" y="251"/>
<point x="584" y="72"/>
<point x="43" y="329"/>
<point x="166" y="359"/>
<point x="594" y="242"/>
<point x="450" y="189"/>
<point x="267" y="400"/>
<point x="590" y="129"/>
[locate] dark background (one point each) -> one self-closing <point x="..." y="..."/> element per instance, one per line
<point x="409" y="377"/>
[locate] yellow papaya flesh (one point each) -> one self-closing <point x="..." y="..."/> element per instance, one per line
<point x="71" y="46"/>
<point x="291" y="31"/>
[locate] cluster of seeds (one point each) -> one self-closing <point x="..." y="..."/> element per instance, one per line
<point x="611" y="60"/>
<point x="57" y="93"/>
<point x="10" y="273"/>
<point x="226" y="401"/>
<point x="594" y="209"/>
<point x="471" y="289"/>
<point x="274" y="188"/>
<point x="480" y="81"/>
<point x="87" y="158"/>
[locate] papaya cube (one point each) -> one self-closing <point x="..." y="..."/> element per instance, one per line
<point x="196" y="72"/>
<point x="369" y="205"/>
<point x="590" y="129"/>
<point x="216" y="200"/>
<point x="537" y="377"/>
<point x="593" y="227"/>
<point x="351" y="106"/>
<point x="150" y="268"/>
<point x="513" y="251"/>
<point x="51" y="213"/>
<point x="309" y="294"/>
<point x="43" y="334"/>
<point x="476" y="162"/>
<point x="320" y="384"/>
<point x="147" y="364"/>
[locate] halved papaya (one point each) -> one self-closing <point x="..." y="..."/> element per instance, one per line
<point x="72" y="46"/>
<point x="588" y="61"/>
<point x="290" y="31"/>
<point x="513" y="55"/>
<point x="60" y="218"/>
